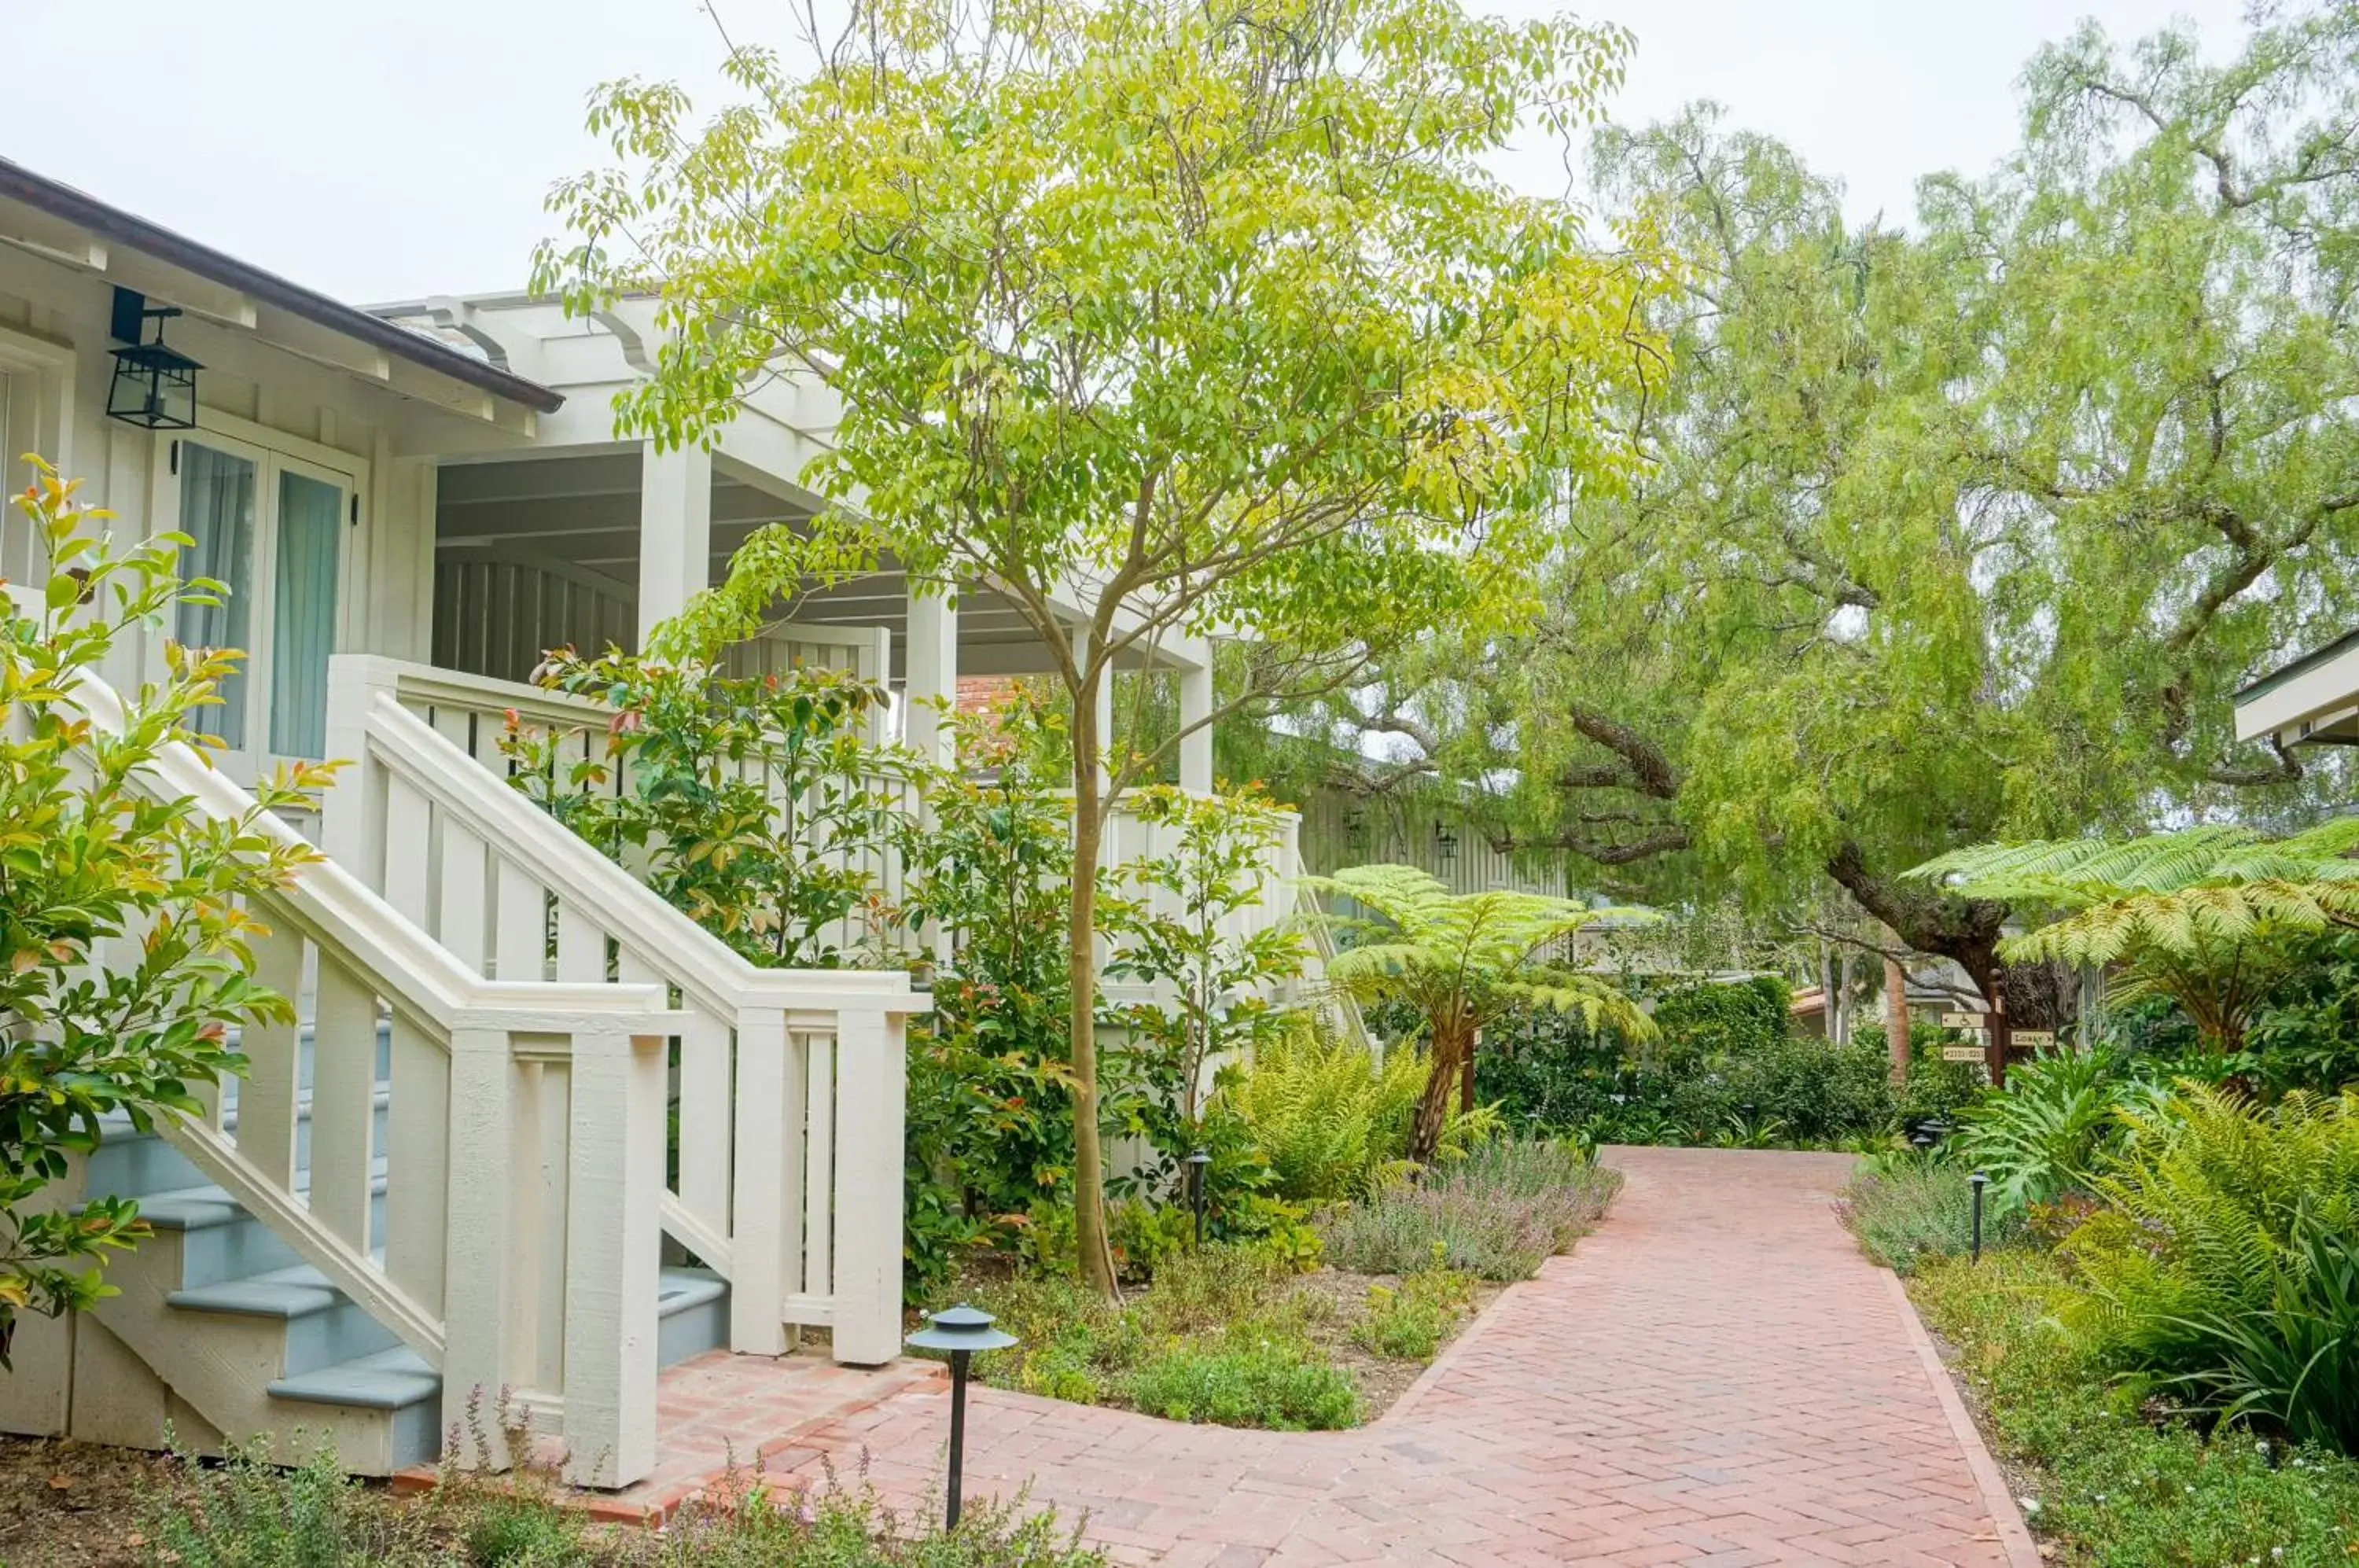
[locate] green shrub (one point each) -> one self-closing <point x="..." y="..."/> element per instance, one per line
<point x="1906" y="1209"/>
<point x="2227" y="1268"/>
<point x="1499" y="1214"/>
<point x="2044" y="1134"/>
<point x="248" y="1513"/>
<point x="1409" y="1323"/>
<point x="2113" y="1489"/>
<point x="1715" y="1020"/>
<point x="1279" y="1384"/>
<point x="1325" y="1114"/>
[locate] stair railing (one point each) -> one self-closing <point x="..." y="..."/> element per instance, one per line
<point x="522" y="1164"/>
<point x="789" y="1083"/>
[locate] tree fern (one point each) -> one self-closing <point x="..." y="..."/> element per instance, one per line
<point x="1462" y="960"/>
<point x="2212" y="917"/>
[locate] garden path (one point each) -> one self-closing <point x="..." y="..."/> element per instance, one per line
<point x="1716" y="1376"/>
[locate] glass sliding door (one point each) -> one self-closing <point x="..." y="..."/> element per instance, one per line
<point x="217" y="511"/>
<point x="308" y="545"/>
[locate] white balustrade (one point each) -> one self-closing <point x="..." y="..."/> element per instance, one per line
<point x="477" y="1067"/>
<point x="789" y="1082"/>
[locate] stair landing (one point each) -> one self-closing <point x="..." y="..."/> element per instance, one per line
<point x="719" y="1410"/>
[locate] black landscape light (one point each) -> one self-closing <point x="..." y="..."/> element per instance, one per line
<point x="1197" y="1161"/>
<point x="961" y="1330"/>
<point x="1980" y="1180"/>
<point x="155" y="385"/>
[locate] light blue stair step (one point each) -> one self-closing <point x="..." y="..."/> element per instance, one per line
<point x="220" y="1241"/>
<point x="128" y="1161"/>
<point x="325" y="1326"/>
<point x="383" y="1381"/>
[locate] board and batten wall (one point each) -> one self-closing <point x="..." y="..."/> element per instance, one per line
<point x="55" y="359"/>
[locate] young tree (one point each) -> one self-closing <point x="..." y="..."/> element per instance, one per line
<point x="1959" y="536"/>
<point x="1461" y="960"/>
<point x="1205" y="319"/>
<point x="91" y="859"/>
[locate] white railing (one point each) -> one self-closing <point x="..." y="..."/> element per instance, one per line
<point x="480" y="1070"/>
<point x="790" y="1082"/>
<point x="1343" y="1007"/>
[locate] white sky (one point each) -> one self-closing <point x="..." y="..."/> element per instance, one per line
<point x="379" y="152"/>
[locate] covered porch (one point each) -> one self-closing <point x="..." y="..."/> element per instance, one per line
<point x="585" y="540"/>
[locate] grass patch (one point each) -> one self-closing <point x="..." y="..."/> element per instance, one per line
<point x="1410" y="1320"/>
<point x="1285" y="1385"/>
<point x="1499" y="1214"/>
<point x="2116" y="1484"/>
<point x="1905" y="1210"/>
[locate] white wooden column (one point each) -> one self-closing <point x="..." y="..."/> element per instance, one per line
<point x="1196" y="745"/>
<point x="614" y="1253"/>
<point x="931" y="647"/>
<point x="871" y="1091"/>
<point x="675" y="531"/>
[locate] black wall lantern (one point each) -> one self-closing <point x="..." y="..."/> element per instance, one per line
<point x="155" y="385"/>
<point x="1445" y="842"/>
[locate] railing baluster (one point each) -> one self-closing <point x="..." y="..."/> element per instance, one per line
<point x="408" y="820"/>
<point x="267" y="1100"/>
<point x="580" y="947"/>
<point x="418" y="1165"/>
<point x="464" y="895"/>
<point x="818" y="1164"/>
<point x="520" y="940"/>
<point x="491" y="1277"/>
<point x="343" y="1099"/>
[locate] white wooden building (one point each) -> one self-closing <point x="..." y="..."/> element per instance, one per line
<point x="452" y="1176"/>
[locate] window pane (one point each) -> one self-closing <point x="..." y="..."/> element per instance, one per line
<point x="217" y="511"/>
<point x="303" y="632"/>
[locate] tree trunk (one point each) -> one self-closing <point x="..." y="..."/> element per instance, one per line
<point x="1443" y="1076"/>
<point x="1466" y="1075"/>
<point x="1080" y="932"/>
<point x="1927" y="919"/>
<point x="1896" y="1018"/>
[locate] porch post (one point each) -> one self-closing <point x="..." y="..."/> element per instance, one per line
<point x="675" y="531"/>
<point x="1196" y="746"/>
<point x="930" y="648"/>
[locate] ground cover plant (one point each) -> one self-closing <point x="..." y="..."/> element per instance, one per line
<point x="2109" y="1486"/>
<point x="243" y="1513"/>
<point x="1907" y="1209"/>
<point x="1499" y="1214"/>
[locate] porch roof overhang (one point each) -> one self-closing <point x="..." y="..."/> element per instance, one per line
<point x="55" y="220"/>
<point x="2314" y="701"/>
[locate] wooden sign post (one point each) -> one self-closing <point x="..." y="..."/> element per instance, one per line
<point x="1994" y="1046"/>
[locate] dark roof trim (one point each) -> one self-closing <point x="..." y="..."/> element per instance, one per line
<point x="2309" y="660"/>
<point x="112" y="223"/>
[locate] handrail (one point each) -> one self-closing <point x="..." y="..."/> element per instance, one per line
<point x="704" y="967"/>
<point x="1322" y="943"/>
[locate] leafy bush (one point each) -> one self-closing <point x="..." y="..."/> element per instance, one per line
<point x="2227" y="1269"/>
<point x="2044" y="1134"/>
<point x="247" y="1513"/>
<point x="1410" y="1322"/>
<point x="1279" y="1384"/>
<point x="1906" y="1209"/>
<point x="2115" y="1489"/>
<point x="1726" y="1019"/>
<point x="1499" y="1214"/>
<point x="1328" y="1119"/>
<point x="94" y="861"/>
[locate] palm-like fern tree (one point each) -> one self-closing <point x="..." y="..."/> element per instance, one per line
<point x="2210" y="917"/>
<point x="1462" y="960"/>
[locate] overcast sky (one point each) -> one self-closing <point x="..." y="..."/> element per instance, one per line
<point x="380" y="152"/>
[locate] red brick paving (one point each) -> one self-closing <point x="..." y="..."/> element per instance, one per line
<point x="1716" y="1377"/>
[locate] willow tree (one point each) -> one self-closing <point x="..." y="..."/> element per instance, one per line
<point x="1958" y="535"/>
<point x="1208" y="318"/>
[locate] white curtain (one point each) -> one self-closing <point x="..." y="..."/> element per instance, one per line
<point x="303" y="633"/>
<point x="217" y="512"/>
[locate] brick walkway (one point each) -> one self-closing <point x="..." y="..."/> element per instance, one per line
<point x="1716" y="1377"/>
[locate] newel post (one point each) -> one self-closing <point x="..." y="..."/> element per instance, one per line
<point x="352" y="827"/>
<point x="613" y="1257"/>
<point x="871" y="1073"/>
<point x="482" y="1293"/>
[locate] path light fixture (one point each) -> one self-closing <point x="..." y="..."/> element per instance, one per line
<point x="961" y="1330"/>
<point x="1980" y="1179"/>
<point x="1197" y="1161"/>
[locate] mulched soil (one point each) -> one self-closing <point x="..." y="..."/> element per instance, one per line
<point x="1381" y="1378"/>
<point x="72" y="1505"/>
